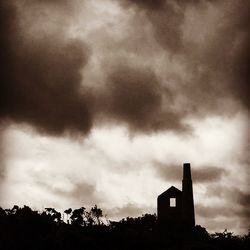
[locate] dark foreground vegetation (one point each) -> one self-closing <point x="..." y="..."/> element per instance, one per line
<point x="23" y="228"/>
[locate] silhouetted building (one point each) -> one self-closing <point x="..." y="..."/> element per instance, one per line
<point x="175" y="208"/>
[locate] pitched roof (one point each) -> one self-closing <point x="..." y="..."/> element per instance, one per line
<point x="172" y="189"/>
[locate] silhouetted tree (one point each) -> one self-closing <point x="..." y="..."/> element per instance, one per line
<point x="96" y="214"/>
<point x="14" y="209"/>
<point x="55" y="216"/>
<point x="200" y="233"/>
<point x="77" y="217"/>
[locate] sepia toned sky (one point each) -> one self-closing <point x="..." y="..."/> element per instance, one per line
<point x="101" y="102"/>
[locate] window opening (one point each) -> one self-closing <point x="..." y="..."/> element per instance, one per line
<point x="172" y="202"/>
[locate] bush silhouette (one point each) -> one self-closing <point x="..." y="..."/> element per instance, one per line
<point x="24" y="228"/>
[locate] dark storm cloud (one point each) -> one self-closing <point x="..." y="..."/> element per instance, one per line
<point x="166" y="20"/>
<point x="232" y="195"/>
<point x="147" y="4"/>
<point x="224" y="57"/>
<point x="134" y="96"/>
<point x="210" y="212"/>
<point x="2" y="159"/>
<point x="243" y="198"/>
<point x="208" y="174"/>
<point x="213" y="214"/>
<point x="41" y="77"/>
<point x="219" y="63"/>
<point x="240" y="67"/>
<point x="82" y="192"/>
<point x="201" y="175"/>
<point x="167" y="16"/>
<point x="58" y="2"/>
<point x="41" y="74"/>
<point x="41" y="82"/>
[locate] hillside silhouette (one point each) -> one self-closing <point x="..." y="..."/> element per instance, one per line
<point x="24" y="228"/>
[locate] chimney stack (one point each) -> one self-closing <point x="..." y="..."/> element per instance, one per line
<point x="188" y="216"/>
<point x="186" y="171"/>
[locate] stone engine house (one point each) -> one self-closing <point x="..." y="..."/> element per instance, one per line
<point x="175" y="208"/>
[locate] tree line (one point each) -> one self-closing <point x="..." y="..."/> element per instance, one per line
<point x="81" y="228"/>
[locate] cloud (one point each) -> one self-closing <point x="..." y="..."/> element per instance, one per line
<point x="3" y="158"/>
<point x="215" y="58"/>
<point x="232" y="195"/>
<point x="42" y="81"/>
<point x="146" y="4"/>
<point x="43" y="67"/>
<point x="204" y="174"/>
<point x="234" y="203"/>
<point x="169" y="19"/>
<point x="223" y="216"/>
<point x="208" y="174"/>
<point x="41" y="77"/>
<point x="134" y="96"/>
<point x="129" y="210"/>
<point x="210" y="212"/>
<point x="81" y="193"/>
<point x="244" y="199"/>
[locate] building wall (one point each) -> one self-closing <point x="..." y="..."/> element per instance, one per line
<point x="167" y="215"/>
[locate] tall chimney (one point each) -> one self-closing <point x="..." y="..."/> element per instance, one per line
<point x="187" y="197"/>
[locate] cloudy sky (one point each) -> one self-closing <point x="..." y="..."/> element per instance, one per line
<point x="101" y="102"/>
